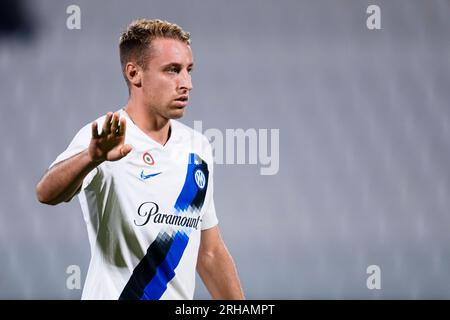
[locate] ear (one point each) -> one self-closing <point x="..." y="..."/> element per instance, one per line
<point x="134" y="74"/>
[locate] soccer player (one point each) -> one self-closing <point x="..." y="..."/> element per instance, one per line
<point x="145" y="181"/>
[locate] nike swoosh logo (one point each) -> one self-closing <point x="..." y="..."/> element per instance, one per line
<point x="146" y="176"/>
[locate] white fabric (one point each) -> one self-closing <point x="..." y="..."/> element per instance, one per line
<point x="116" y="200"/>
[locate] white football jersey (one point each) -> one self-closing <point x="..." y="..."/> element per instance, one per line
<point x="145" y="212"/>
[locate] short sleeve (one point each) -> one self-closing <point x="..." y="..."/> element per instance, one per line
<point x="209" y="218"/>
<point x="78" y="144"/>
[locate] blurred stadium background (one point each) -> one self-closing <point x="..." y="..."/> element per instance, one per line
<point x="364" y="121"/>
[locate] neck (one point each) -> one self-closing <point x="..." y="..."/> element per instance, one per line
<point x="155" y="126"/>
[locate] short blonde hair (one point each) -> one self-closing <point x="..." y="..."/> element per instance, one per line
<point x="135" y="42"/>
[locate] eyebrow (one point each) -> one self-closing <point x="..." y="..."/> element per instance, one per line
<point x="176" y="64"/>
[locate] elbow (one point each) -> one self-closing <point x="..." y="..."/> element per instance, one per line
<point x="42" y="195"/>
<point x="205" y="260"/>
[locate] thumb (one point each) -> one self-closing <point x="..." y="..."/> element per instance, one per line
<point x="125" y="150"/>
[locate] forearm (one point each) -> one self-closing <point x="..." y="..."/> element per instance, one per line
<point x="219" y="275"/>
<point x="62" y="181"/>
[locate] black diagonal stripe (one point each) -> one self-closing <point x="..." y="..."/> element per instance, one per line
<point x="197" y="202"/>
<point x="146" y="268"/>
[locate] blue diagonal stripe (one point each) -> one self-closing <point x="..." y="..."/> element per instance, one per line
<point x="189" y="190"/>
<point x="166" y="270"/>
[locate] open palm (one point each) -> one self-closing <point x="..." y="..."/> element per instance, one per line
<point x="109" y="145"/>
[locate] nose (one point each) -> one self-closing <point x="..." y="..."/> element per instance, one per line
<point x="185" y="82"/>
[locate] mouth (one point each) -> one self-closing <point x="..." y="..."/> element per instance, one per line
<point x="182" y="101"/>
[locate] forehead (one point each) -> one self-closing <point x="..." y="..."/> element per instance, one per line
<point x="165" y="51"/>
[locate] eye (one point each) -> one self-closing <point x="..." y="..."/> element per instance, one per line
<point x="173" y="69"/>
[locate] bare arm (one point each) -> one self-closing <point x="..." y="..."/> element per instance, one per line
<point x="216" y="267"/>
<point x="62" y="181"/>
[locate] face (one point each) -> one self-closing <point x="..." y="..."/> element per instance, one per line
<point x="166" y="81"/>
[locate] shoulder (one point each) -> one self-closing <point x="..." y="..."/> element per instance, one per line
<point x="79" y="142"/>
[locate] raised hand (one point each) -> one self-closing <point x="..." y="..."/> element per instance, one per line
<point x="109" y="144"/>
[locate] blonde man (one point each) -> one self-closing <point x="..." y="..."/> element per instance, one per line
<point x="145" y="182"/>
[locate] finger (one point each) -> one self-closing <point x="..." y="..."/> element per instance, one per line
<point x="107" y="124"/>
<point x="115" y="122"/>
<point x="122" y="127"/>
<point x="125" y="150"/>
<point x="95" y="130"/>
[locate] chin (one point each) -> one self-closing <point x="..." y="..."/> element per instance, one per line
<point x="176" y="114"/>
